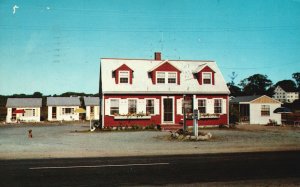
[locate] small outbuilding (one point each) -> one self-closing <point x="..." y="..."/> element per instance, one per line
<point x="92" y="105"/>
<point x="23" y="109"/>
<point x="63" y="108"/>
<point x="255" y="109"/>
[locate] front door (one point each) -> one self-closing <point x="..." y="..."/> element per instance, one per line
<point x="168" y="110"/>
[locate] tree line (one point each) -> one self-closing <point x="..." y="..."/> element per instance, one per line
<point x="259" y="84"/>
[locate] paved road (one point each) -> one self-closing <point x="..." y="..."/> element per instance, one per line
<point x="156" y="170"/>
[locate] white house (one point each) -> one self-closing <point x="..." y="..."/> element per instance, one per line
<point x="63" y="108"/>
<point x="23" y="109"/>
<point x="285" y="94"/>
<point x="256" y="109"/>
<point x="154" y="91"/>
<point x="92" y="107"/>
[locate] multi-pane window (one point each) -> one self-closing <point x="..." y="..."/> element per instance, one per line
<point x="171" y="77"/>
<point x="166" y="77"/>
<point x="114" y="106"/>
<point x="29" y="112"/>
<point x="124" y="76"/>
<point x="218" y="106"/>
<point x="265" y="110"/>
<point x="67" y="110"/>
<point x="206" y="78"/>
<point x="202" y="106"/>
<point x="132" y="106"/>
<point x="160" y="77"/>
<point x="150" y="106"/>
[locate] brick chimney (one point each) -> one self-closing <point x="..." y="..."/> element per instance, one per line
<point x="157" y="56"/>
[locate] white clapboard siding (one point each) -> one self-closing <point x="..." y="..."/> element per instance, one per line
<point x="141" y="106"/>
<point x="123" y="104"/>
<point x="224" y="107"/>
<point x="179" y="106"/>
<point x="156" y="106"/>
<point x="107" y="107"/>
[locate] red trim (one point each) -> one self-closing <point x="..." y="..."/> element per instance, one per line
<point x="156" y="119"/>
<point x="19" y="111"/>
<point x="208" y="70"/>
<point x="167" y="67"/>
<point x="123" y="67"/>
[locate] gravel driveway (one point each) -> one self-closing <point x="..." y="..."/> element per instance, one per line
<point x="74" y="140"/>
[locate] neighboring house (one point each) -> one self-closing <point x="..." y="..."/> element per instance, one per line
<point x="92" y="107"/>
<point x="256" y="109"/>
<point x="285" y="94"/>
<point x="151" y="91"/>
<point x="23" y="109"/>
<point x="63" y="108"/>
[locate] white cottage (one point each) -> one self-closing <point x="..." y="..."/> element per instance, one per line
<point x="63" y="108"/>
<point x="256" y="109"/>
<point x="23" y="109"/>
<point x="92" y="105"/>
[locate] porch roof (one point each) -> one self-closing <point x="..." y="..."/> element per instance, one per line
<point x="244" y="99"/>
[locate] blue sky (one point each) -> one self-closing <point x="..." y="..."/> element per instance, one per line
<point x="55" y="46"/>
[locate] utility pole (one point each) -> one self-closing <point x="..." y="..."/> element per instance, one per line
<point x="184" y="120"/>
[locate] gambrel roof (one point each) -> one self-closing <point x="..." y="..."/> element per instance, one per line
<point x="142" y="83"/>
<point x="23" y="102"/>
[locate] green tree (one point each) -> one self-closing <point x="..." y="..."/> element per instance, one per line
<point x="256" y="84"/>
<point x="37" y="95"/>
<point x="296" y="76"/>
<point x="289" y="84"/>
<point x="234" y="90"/>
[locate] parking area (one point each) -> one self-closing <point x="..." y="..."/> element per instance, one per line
<point x="75" y="140"/>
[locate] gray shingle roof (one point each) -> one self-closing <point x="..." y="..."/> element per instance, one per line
<point x="91" y="101"/>
<point x="240" y="99"/>
<point x="63" y="101"/>
<point x="23" y="102"/>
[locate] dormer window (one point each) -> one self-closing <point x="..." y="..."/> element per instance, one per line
<point x="166" y="77"/>
<point x="161" y="77"/>
<point x="124" y="77"/>
<point x="206" y="77"/>
<point x="172" y="77"/>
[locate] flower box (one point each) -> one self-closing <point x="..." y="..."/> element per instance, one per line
<point x="209" y="116"/>
<point x="132" y="117"/>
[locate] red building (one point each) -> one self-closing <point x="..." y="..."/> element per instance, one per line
<point x="155" y="91"/>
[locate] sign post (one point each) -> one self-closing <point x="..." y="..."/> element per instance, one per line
<point x="195" y="120"/>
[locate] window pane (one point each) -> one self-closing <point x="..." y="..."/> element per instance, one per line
<point x="123" y="80"/>
<point x="150" y="106"/>
<point x="217" y="106"/>
<point x="202" y="105"/>
<point x="160" y="80"/>
<point x="265" y="110"/>
<point x="132" y="106"/>
<point x="114" y="106"/>
<point x="171" y="80"/>
<point x="206" y="78"/>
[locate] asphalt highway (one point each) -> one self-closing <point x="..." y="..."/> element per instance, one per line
<point x="150" y="170"/>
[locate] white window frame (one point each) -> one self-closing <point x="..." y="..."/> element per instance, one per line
<point x="136" y="105"/>
<point x="29" y="112"/>
<point x="64" y="110"/>
<point x="204" y="99"/>
<point x="167" y="76"/>
<point x="128" y="76"/>
<point x="265" y="108"/>
<point x="110" y="106"/>
<point x="153" y="105"/>
<point x="221" y="105"/>
<point x="203" y="77"/>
